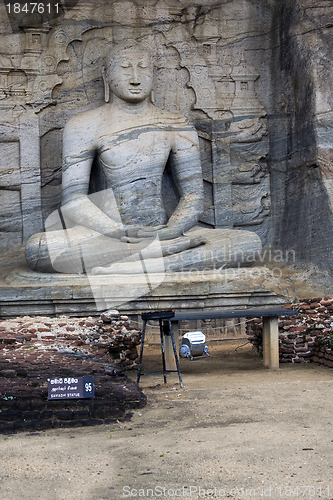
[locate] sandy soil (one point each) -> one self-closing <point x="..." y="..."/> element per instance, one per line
<point x="236" y="430"/>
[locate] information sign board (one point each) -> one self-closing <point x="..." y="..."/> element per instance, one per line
<point x="70" y="387"/>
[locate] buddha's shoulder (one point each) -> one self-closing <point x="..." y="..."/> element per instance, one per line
<point x="85" y="119"/>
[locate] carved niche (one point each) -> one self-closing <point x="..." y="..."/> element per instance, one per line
<point x="27" y="81"/>
<point x="215" y="88"/>
<point x="234" y="136"/>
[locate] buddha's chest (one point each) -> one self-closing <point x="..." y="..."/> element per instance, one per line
<point x="131" y="154"/>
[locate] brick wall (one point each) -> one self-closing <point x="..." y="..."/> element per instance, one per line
<point x="305" y="337"/>
<point x="33" y="349"/>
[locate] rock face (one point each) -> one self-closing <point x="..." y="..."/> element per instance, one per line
<point x="253" y="77"/>
<point x="302" y="138"/>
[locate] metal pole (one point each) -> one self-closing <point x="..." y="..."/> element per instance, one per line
<point x="141" y="351"/>
<point x="163" y="353"/>
<point x="176" y="355"/>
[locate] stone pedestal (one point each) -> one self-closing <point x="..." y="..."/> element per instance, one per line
<point x="26" y="292"/>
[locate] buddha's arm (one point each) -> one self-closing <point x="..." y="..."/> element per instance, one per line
<point x="187" y="172"/>
<point x="78" y="154"/>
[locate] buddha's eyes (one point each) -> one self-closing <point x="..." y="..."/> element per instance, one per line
<point x="127" y="64"/>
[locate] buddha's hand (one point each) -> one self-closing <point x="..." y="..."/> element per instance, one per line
<point x="161" y="232"/>
<point x="138" y="234"/>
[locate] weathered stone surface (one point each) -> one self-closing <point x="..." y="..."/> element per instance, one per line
<point x="253" y="77"/>
<point x="125" y="226"/>
<point x="70" y="294"/>
<point x="302" y="138"/>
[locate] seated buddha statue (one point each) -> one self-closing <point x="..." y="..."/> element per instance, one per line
<point x="130" y="141"/>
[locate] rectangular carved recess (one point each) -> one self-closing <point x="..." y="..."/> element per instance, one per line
<point x="10" y="193"/>
<point x="236" y="185"/>
<point x="208" y="216"/>
<point x="51" y="161"/>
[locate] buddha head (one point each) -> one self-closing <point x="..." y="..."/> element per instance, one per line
<point x="128" y="72"/>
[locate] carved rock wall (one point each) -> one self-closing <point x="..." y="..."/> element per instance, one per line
<point x="253" y="76"/>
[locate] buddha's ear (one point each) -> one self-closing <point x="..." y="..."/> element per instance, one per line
<point x="106" y="85"/>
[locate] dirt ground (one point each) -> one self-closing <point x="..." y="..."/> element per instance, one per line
<point x="236" y="430"/>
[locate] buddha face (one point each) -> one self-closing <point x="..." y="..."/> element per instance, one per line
<point x="130" y="75"/>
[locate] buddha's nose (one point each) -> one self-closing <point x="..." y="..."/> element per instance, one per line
<point x="135" y="80"/>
